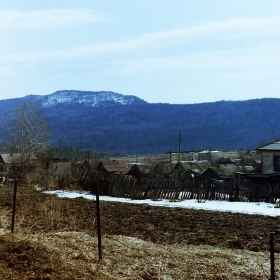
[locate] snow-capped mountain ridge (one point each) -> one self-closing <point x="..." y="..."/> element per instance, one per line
<point x="89" y="98"/>
<point x="98" y="120"/>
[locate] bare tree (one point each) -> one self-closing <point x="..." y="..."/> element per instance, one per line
<point x="27" y="135"/>
<point x="242" y="157"/>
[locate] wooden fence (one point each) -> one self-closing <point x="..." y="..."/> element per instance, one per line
<point x="174" y="190"/>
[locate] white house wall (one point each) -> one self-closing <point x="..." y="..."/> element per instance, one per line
<point x="268" y="161"/>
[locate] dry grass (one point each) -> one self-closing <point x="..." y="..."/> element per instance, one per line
<point x="51" y="242"/>
<point x="73" y="255"/>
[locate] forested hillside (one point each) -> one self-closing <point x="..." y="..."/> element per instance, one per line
<point x="154" y="128"/>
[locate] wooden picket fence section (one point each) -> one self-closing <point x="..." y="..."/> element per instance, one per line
<point x="161" y="188"/>
<point x="174" y="190"/>
<point x="122" y="186"/>
<point x="264" y="192"/>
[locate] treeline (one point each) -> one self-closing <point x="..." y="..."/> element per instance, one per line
<point x="154" y="128"/>
<point x="76" y="154"/>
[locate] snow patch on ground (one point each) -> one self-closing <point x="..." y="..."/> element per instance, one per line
<point x="259" y="208"/>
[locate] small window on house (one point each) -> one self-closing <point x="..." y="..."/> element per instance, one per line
<point x="277" y="163"/>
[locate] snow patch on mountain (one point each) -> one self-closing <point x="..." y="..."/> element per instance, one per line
<point x="88" y="98"/>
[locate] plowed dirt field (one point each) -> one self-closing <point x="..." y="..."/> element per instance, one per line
<point x="56" y="238"/>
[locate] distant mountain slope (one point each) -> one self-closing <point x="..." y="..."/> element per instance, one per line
<point x="129" y="125"/>
<point x="87" y="98"/>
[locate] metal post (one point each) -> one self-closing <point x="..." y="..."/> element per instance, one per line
<point x="98" y="224"/>
<point x="14" y="206"/>
<point x="272" y="265"/>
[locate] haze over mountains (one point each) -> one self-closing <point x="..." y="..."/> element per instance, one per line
<point x="122" y="124"/>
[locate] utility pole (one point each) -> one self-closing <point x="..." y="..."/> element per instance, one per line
<point x="170" y="160"/>
<point x="179" y="148"/>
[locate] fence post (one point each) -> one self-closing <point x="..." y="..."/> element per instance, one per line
<point x="14" y="206"/>
<point x="272" y="265"/>
<point x="98" y="223"/>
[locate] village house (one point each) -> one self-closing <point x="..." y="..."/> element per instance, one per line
<point x="106" y="168"/>
<point x="249" y="165"/>
<point x="188" y="169"/>
<point x="59" y="167"/>
<point x="8" y="161"/>
<point x="222" y="169"/>
<point x="162" y="169"/>
<point x="138" y="171"/>
<point x="270" y="154"/>
<point x="223" y="160"/>
<point x="221" y="172"/>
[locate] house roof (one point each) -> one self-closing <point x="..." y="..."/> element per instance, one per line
<point x="135" y="170"/>
<point x="226" y="170"/>
<point x="8" y="158"/>
<point x="273" y="146"/>
<point x="145" y="168"/>
<point x="203" y="165"/>
<point x="224" y="160"/>
<point x="162" y="168"/>
<point x="212" y="172"/>
<point x="249" y="169"/>
<point x="194" y="166"/>
<point x="113" y="165"/>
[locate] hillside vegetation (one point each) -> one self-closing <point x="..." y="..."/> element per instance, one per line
<point x="143" y="128"/>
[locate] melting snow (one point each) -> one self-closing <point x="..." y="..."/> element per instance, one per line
<point x="260" y="208"/>
<point x="82" y="97"/>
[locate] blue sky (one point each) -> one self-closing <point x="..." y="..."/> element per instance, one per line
<point x="163" y="51"/>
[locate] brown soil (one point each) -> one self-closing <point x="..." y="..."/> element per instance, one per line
<point x="55" y="238"/>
